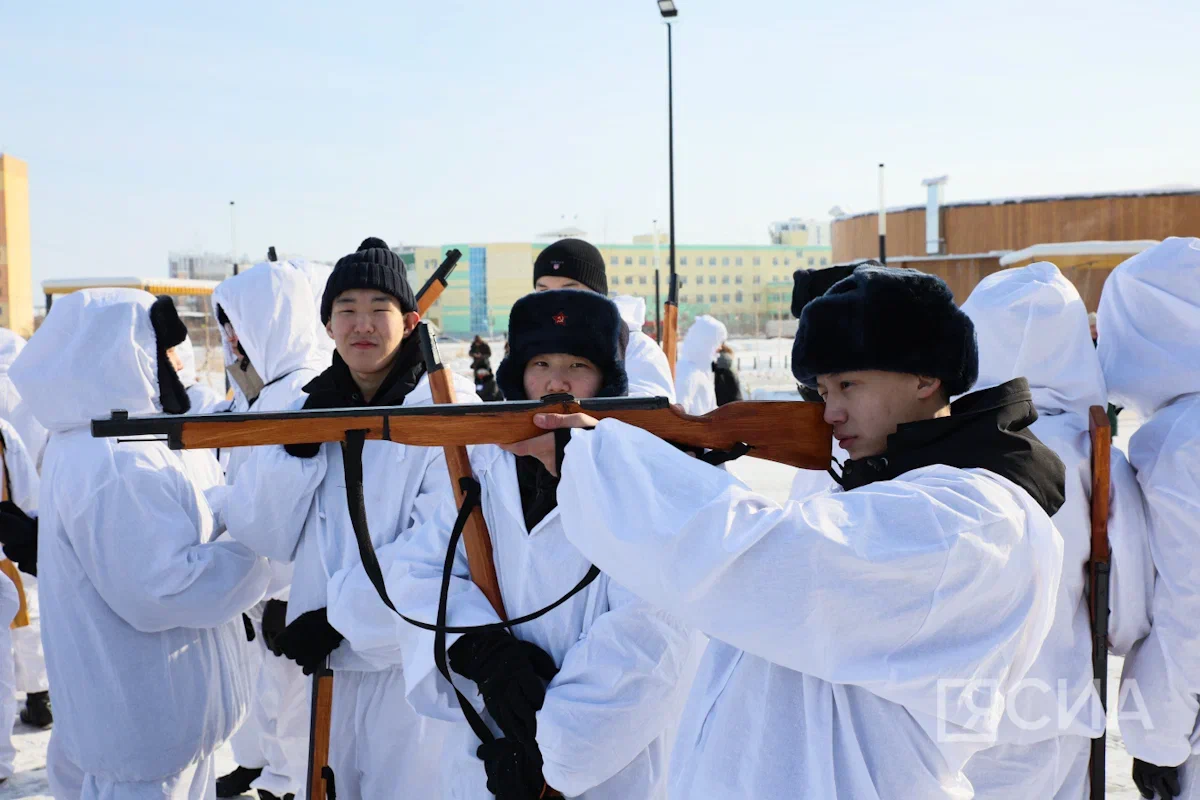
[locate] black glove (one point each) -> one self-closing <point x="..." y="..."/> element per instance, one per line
<point x="248" y="624"/>
<point x="511" y="676"/>
<point x="514" y="770"/>
<point x="1151" y="779"/>
<point x="317" y="400"/>
<point x="273" y="623"/>
<point x="309" y="640"/>
<point x="19" y="535"/>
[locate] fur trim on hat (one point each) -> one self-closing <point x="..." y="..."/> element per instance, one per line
<point x="573" y="321"/>
<point x="897" y="320"/>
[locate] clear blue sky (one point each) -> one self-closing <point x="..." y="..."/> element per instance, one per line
<point x="452" y="121"/>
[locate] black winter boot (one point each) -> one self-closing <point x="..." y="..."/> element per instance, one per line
<point x="237" y="782"/>
<point x="37" y="710"/>
<point x="263" y="794"/>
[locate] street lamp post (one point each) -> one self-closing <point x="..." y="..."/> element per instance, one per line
<point x="232" y="239"/>
<point x="671" y="312"/>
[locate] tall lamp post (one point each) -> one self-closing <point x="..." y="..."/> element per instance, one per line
<point x="232" y="239"/>
<point x="670" y="337"/>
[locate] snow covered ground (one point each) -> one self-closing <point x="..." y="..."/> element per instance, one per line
<point x="771" y="479"/>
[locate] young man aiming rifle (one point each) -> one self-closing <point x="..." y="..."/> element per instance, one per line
<point x="864" y="641"/>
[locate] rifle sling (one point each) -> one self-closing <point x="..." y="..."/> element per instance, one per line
<point x="352" y="450"/>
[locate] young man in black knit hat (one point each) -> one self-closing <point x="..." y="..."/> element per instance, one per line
<point x="300" y="514"/>
<point x="580" y="698"/>
<point x="863" y="641"/>
<point x="576" y="264"/>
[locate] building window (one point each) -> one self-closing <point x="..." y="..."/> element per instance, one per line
<point x="725" y="279"/>
<point x="787" y="262"/>
<point x="683" y="261"/>
<point x="775" y="261"/>
<point x="614" y="261"/>
<point x="823" y="262"/>
<point x="812" y="260"/>
<point x="757" y="261"/>
<point x="712" y="261"/>
<point x="757" y="298"/>
<point x="628" y="280"/>
<point x="642" y="260"/>
<point x="683" y="298"/>
<point x="725" y="261"/>
<point x="712" y="298"/>
<point x="737" y="297"/>
<point x="738" y="261"/>
<point x="799" y="254"/>
<point x="477" y="283"/>
<point x="642" y="280"/>
<point x="774" y="279"/>
<point x="683" y="280"/>
<point x="737" y="279"/>
<point x="757" y="279"/>
<point x="712" y="280"/>
<point x="724" y="298"/>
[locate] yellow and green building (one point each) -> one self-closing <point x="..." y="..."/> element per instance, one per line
<point x="742" y="285"/>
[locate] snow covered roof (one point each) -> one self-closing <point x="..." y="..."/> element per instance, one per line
<point x="952" y="256"/>
<point x="1040" y="252"/>
<point x="569" y="232"/>
<point x="1000" y="201"/>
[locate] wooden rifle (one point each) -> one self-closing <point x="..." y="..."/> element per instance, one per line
<point x="1098" y="578"/>
<point x="670" y="332"/>
<point x="437" y="282"/>
<point x="787" y="432"/>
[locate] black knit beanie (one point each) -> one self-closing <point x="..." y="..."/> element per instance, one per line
<point x="896" y="320"/>
<point x="571" y="321"/>
<point x="574" y="259"/>
<point x="372" y="266"/>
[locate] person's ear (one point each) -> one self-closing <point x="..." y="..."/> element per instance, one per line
<point x="329" y="328"/>
<point x="927" y="386"/>
<point x="411" y="319"/>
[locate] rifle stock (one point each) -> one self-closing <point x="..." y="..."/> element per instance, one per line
<point x="437" y="282"/>
<point x="476" y="538"/>
<point x="1098" y="577"/>
<point x="670" y="334"/>
<point x="793" y="433"/>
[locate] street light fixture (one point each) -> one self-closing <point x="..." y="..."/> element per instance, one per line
<point x="669" y="11"/>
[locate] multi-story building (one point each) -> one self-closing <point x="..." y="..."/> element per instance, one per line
<point x="16" y="281"/>
<point x="743" y="285"/>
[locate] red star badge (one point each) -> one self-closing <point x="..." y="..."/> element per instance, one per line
<point x="560" y="318"/>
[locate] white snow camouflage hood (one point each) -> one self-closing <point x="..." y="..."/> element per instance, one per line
<point x="272" y="310"/>
<point x="1031" y="323"/>
<point x="11" y="345"/>
<point x="702" y="340"/>
<point x="95" y="352"/>
<point x="1148" y="324"/>
<point x="632" y="310"/>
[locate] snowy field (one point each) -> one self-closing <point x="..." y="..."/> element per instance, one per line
<point x="771" y="479"/>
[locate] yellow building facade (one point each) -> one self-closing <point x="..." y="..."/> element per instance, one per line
<point x="742" y="285"/>
<point x="16" y="281"/>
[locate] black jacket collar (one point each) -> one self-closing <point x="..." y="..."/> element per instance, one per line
<point x="987" y="430"/>
<point x="336" y="388"/>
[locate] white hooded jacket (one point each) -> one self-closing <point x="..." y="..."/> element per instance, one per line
<point x="1031" y="322"/>
<point x="141" y="612"/>
<point x="693" y="372"/>
<point x="863" y="642"/>
<point x="645" y="362"/>
<point x="274" y="315"/>
<point x="18" y="413"/>
<point x="601" y="730"/>
<point x="300" y="512"/>
<point x="1149" y="348"/>
<point x="204" y="399"/>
